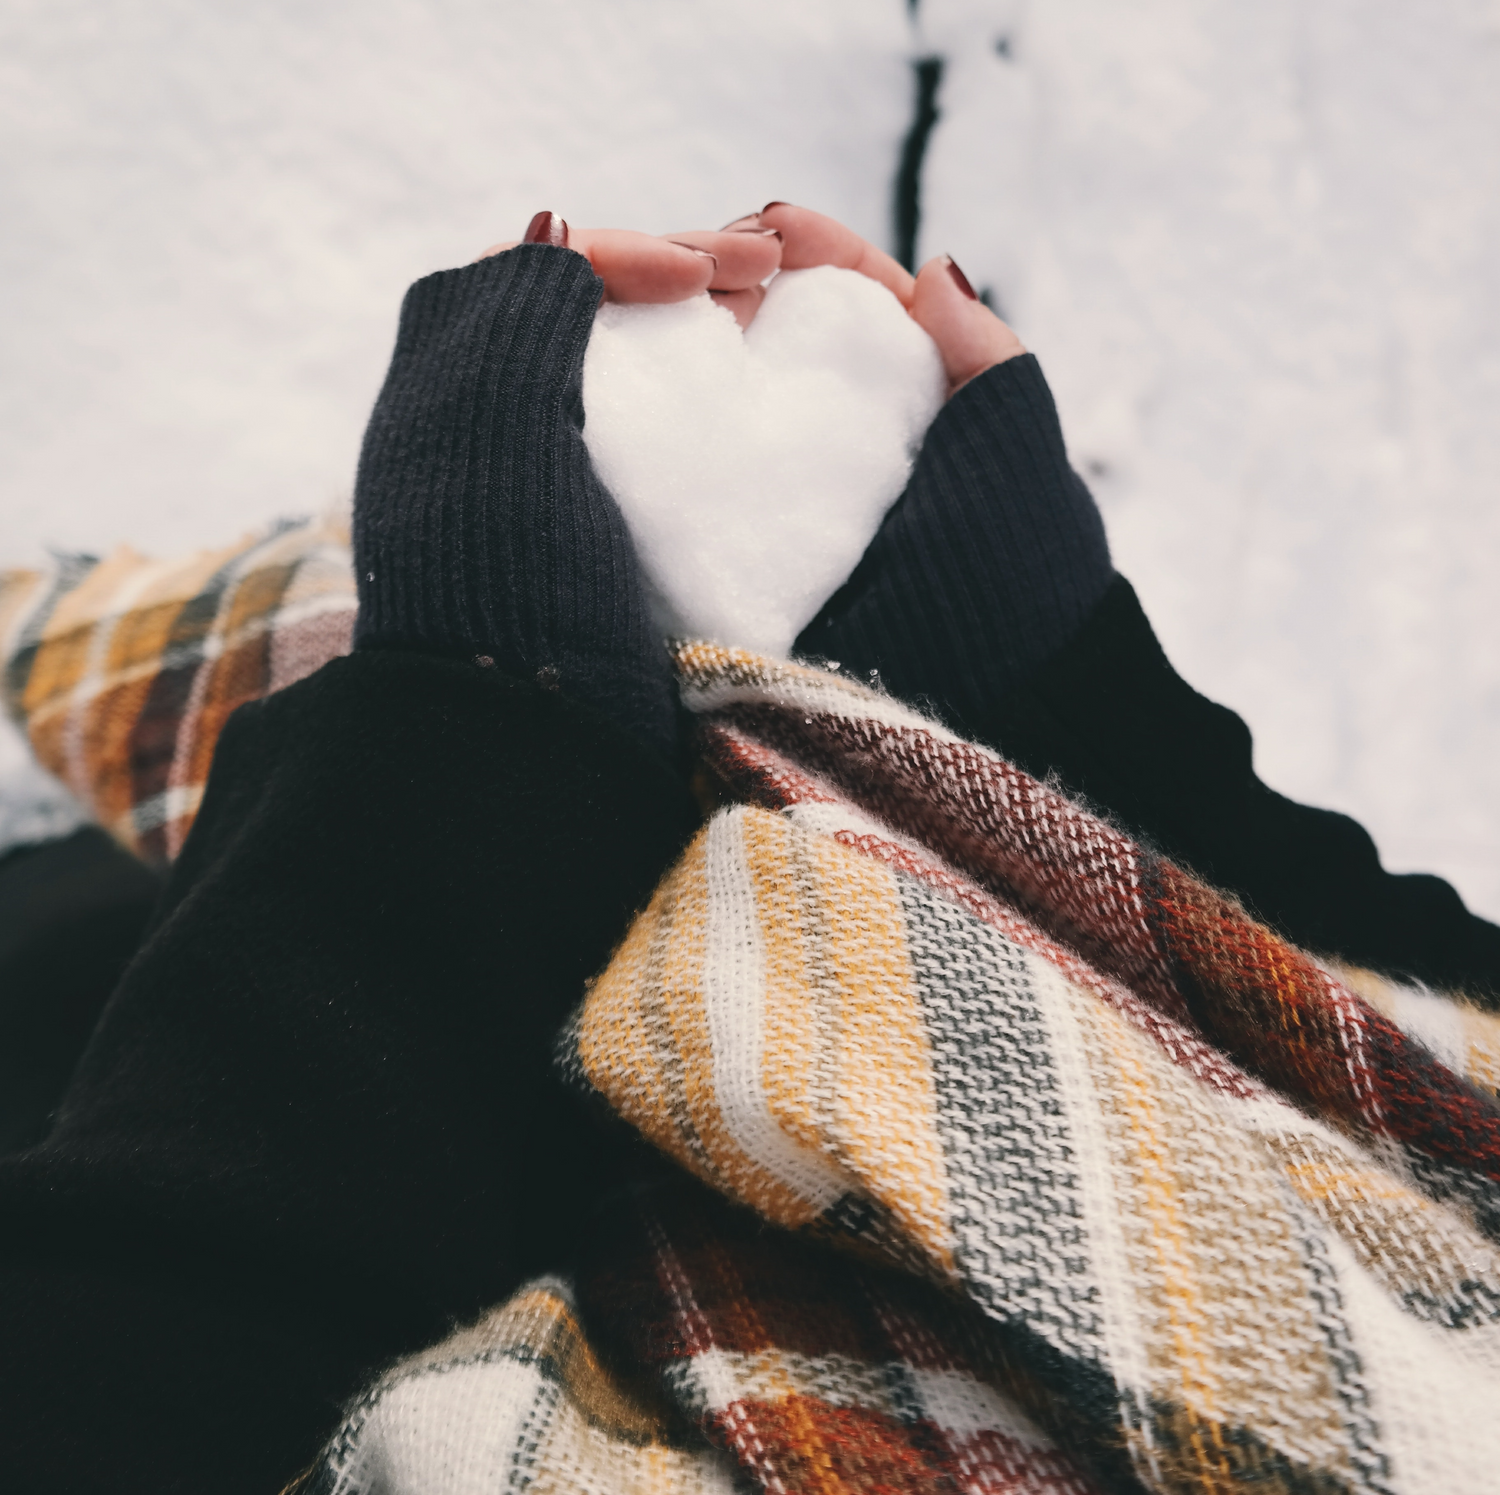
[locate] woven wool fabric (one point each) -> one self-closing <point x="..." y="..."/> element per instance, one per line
<point x="817" y="1372"/>
<point x="517" y="1400"/>
<point x="123" y="671"/>
<point x="1047" y="1168"/>
<point x="1207" y="1197"/>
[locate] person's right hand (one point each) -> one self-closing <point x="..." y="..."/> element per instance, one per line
<point x="644" y="268"/>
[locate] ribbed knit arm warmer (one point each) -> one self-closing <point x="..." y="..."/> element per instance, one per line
<point x="481" y="529"/>
<point x="988" y="563"/>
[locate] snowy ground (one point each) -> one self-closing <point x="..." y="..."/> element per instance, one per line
<point x="1254" y="246"/>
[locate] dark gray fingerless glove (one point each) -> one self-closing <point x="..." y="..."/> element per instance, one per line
<point x="480" y="526"/>
<point x="988" y="563"/>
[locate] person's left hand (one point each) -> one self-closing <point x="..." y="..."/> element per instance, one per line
<point x="970" y="337"/>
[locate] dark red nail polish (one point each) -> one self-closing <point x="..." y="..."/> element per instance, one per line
<point x="706" y="255"/>
<point x="771" y="205"/>
<point x="960" y="279"/>
<point x="547" y="228"/>
<point x="733" y="225"/>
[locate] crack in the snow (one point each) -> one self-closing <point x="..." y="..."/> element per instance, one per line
<point x="907" y="206"/>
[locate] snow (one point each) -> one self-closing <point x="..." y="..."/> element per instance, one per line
<point x="754" y="468"/>
<point x="33" y="805"/>
<point x="1253" y="246"/>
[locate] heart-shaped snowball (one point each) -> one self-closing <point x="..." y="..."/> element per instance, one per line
<point x="753" y="468"/>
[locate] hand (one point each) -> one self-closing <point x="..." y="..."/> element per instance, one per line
<point x="995" y="553"/>
<point x="639" y="267"/>
<point x="970" y="337"/>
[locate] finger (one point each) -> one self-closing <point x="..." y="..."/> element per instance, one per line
<point x="745" y="259"/>
<point x="545" y="228"/>
<point x="641" y="267"/>
<point x="970" y="337"/>
<point x="810" y="238"/>
<point x="636" y="267"/>
<point x="744" y="304"/>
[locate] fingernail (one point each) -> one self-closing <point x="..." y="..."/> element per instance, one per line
<point x="771" y="205"/>
<point x="706" y="255"/>
<point x="733" y="226"/>
<point x="960" y="279"/>
<point x="760" y="233"/>
<point x="547" y="228"/>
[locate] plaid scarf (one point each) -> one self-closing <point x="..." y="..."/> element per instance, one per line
<point x="124" y="671"/>
<point x="998" y="1154"/>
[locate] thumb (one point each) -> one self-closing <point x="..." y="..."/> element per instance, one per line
<point x="970" y="337"/>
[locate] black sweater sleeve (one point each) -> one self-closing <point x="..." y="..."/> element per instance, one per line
<point x="318" y="1119"/>
<point x="1108" y="717"/>
<point x="989" y="561"/>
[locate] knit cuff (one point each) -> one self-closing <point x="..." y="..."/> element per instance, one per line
<point x="487" y="367"/>
<point x="481" y="529"/>
<point x="991" y="559"/>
